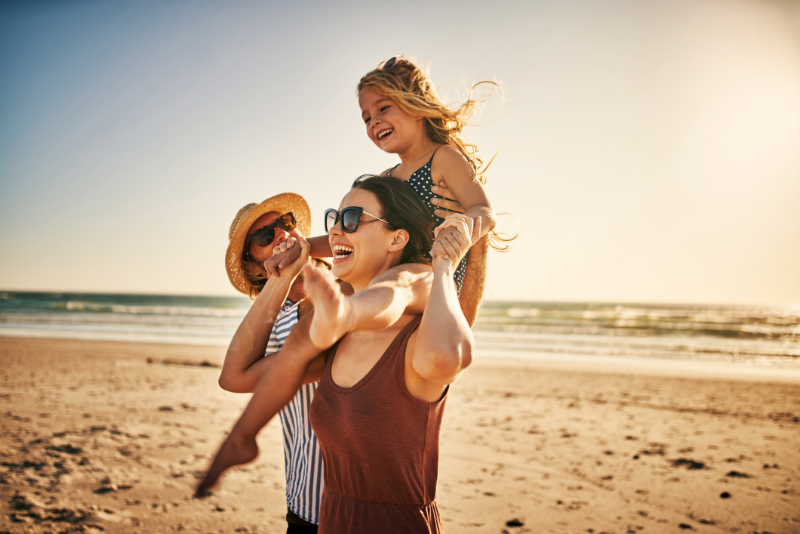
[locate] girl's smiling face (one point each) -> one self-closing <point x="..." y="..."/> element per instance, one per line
<point x="390" y="128"/>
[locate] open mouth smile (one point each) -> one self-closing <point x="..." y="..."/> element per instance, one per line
<point x="340" y="252"/>
<point x="384" y="133"/>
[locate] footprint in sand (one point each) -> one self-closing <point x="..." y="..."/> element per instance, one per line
<point x="28" y="509"/>
<point x="689" y="464"/>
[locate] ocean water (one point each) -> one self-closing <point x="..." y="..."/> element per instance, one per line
<point x="758" y="336"/>
<point x="119" y="317"/>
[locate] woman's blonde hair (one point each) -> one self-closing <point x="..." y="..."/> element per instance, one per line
<point x="412" y="90"/>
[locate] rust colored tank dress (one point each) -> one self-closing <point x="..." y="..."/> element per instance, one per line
<point x="380" y="447"/>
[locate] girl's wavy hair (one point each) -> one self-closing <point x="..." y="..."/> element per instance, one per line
<point x="412" y="90"/>
<point x="403" y="210"/>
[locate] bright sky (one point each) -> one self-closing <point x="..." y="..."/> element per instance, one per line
<point x="653" y="148"/>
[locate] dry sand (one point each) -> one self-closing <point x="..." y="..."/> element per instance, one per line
<point x="95" y="438"/>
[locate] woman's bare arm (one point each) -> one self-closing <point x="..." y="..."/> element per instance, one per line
<point x="244" y="362"/>
<point x="241" y="370"/>
<point x="444" y="342"/>
<point x="475" y="276"/>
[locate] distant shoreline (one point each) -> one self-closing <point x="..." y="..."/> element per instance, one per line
<point x="487" y="357"/>
<point x="706" y="339"/>
<point x="486" y="301"/>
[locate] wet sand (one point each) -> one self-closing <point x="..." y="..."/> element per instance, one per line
<point x="94" y="437"/>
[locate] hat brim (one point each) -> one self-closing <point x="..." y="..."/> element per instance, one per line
<point x="283" y="203"/>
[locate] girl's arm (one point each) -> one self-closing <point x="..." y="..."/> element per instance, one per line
<point x="444" y="342"/>
<point x="452" y="168"/>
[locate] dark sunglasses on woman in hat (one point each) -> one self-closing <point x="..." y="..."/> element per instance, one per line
<point x="264" y="236"/>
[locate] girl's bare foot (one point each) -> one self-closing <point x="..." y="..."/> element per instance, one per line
<point x="235" y="450"/>
<point x="332" y="314"/>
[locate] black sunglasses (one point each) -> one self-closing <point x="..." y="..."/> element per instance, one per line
<point x="264" y="236"/>
<point x="350" y="217"/>
<point x="391" y="62"/>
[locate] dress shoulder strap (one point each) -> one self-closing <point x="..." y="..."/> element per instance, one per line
<point x="430" y="161"/>
<point x="398" y="347"/>
<point x="389" y="172"/>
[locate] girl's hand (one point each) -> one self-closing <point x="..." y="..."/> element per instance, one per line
<point x="447" y="205"/>
<point x="454" y="237"/>
<point x="288" y="258"/>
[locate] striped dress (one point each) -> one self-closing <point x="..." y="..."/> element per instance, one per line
<point x="301" y="452"/>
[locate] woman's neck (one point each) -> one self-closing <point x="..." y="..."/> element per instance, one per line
<point x="367" y="280"/>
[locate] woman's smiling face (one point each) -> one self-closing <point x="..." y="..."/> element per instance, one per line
<point x="362" y="255"/>
<point x="388" y="126"/>
<point x="261" y="254"/>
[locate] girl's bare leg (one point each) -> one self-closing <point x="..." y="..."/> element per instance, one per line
<point x="273" y="392"/>
<point x="333" y="312"/>
<point x="334" y="315"/>
<point x="235" y="450"/>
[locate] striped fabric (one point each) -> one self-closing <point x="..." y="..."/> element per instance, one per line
<point x="300" y="448"/>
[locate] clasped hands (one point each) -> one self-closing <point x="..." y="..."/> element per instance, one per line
<point x="288" y="259"/>
<point x="454" y="237"/>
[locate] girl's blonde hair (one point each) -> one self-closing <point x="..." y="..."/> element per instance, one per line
<point x="412" y="90"/>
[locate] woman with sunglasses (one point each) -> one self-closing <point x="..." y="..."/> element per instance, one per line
<point x="257" y="232"/>
<point x="378" y="409"/>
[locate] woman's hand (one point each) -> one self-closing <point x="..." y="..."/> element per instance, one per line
<point x="447" y="205"/>
<point x="283" y="255"/>
<point x="453" y="238"/>
<point x="288" y="258"/>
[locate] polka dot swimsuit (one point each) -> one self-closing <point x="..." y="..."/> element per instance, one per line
<point x="421" y="181"/>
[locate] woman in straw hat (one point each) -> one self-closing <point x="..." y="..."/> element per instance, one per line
<point x="379" y="406"/>
<point x="259" y="231"/>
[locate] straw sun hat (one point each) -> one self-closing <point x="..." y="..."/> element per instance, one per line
<point x="283" y="203"/>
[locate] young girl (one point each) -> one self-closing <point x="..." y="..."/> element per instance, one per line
<point x="405" y="116"/>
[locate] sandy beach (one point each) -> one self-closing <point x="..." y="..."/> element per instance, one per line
<point x="110" y="436"/>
